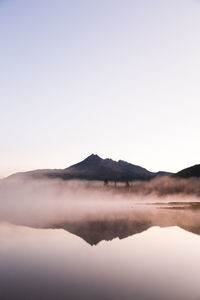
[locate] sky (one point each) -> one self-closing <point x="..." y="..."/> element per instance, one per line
<point x="117" y="78"/>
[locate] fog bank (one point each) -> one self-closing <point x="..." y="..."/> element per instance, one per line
<point x="43" y="202"/>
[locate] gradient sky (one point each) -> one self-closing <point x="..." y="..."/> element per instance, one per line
<point x="120" y="78"/>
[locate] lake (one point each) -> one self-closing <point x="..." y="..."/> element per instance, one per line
<point x="140" y="252"/>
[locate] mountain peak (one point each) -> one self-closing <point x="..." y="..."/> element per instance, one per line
<point x="95" y="168"/>
<point x="90" y="161"/>
<point x="93" y="158"/>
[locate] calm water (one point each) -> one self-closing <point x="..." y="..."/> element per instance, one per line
<point x="114" y="256"/>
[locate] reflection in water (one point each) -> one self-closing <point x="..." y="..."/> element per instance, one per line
<point x="95" y="231"/>
<point x="134" y="259"/>
<point x="135" y="220"/>
<point x="54" y="264"/>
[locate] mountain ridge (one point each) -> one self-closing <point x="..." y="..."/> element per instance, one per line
<point x="193" y="171"/>
<point x="94" y="167"/>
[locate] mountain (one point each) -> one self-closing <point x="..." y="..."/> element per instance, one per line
<point x="96" y="168"/>
<point x="193" y="171"/>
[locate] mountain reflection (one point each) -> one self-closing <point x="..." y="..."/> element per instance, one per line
<point x="138" y="219"/>
<point x="95" y="231"/>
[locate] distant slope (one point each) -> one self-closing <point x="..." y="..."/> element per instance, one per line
<point x="193" y="171"/>
<point x="96" y="168"/>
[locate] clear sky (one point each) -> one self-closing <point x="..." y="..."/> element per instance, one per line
<point x="120" y="78"/>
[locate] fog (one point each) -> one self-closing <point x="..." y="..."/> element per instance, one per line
<point x="45" y="202"/>
<point x="40" y="201"/>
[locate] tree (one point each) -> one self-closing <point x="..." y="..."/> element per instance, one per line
<point x="105" y="181"/>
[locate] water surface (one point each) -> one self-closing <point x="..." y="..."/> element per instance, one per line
<point x="143" y="252"/>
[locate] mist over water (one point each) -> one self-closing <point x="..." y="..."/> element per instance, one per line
<point x="47" y="228"/>
<point x="40" y="202"/>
